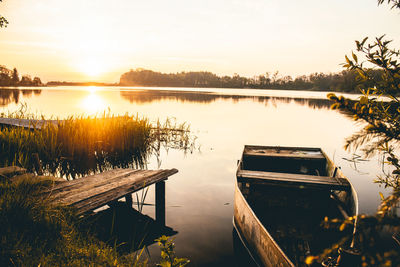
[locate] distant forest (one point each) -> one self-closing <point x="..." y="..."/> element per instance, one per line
<point x="11" y="78"/>
<point x="344" y="81"/>
<point x="58" y="83"/>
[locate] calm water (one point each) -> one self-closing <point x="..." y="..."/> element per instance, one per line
<point x="200" y="196"/>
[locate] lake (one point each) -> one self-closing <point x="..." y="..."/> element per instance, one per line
<point x="199" y="198"/>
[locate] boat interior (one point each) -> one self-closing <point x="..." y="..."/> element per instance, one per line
<point x="292" y="212"/>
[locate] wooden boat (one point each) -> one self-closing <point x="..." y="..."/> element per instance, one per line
<point x="282" y="195"/>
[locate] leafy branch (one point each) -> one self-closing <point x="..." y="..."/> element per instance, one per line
<point x="3" y="21"/>
<point x="168" y="257"/>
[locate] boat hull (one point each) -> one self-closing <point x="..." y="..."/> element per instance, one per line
<point x="256" y="236"/>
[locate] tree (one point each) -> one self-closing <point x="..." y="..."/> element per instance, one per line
<point x="36" y="81"/>
<point x="15" y="77"/>
<point x="3" y="21"/>
<point x="379" y="109"/>
<point x="26" y="80"/>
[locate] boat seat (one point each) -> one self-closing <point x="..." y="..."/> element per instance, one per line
<point x="293" y="180"/>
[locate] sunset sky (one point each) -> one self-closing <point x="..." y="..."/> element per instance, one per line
<point x="99" y="40"/>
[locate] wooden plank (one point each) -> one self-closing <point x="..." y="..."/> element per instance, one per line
<point x="306" y="153"/>
<point x="98" y="199"/>
<point x="32" y="177"/>
<point x="132" y="182"/>
<point x="289" y="179"/>
<point x="288" y="176"/>
<point x="101" y="184"/>
<point x="283" y="153"/>
<point x="88" y="191"/>
<point x="91" y="181"/>
<point x="11" y="171"/>
<point x="26" y="123"/>
<point x="309" y="149"/>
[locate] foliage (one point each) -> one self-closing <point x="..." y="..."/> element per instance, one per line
<point x="381" y="115"/>
<point x="379" y="111"/>
<point x="168" y="257"/>
<point x="344" y="81"/>
<point x="3" y="21"/>
<point x="394" y="3"/>
<point x="82" y="145"/>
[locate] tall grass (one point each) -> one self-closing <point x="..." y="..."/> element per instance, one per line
<point x="78" y="146"/>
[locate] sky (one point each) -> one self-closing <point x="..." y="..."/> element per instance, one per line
<point x="98" y="40"/>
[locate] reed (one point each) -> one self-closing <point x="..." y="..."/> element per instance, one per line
<point x="79" y="146"/>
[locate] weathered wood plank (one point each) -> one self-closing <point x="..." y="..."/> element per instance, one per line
<point x="289" y="179"/>
<point x="11" y="171"/>
<point x="88" y="191"/>
<point x="26" y="123"/>
<point x="32" y="177"/>
<point x="308" y="149"/>
<point x="91" y="181"/>
<point x="101" y="199"/>
<point x="94" y="183"/>
<point x="284" y="152"/>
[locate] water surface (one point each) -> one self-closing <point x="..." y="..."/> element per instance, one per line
<point x="200" y="197"/>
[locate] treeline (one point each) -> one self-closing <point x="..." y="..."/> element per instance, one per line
<point x="344" y="81"/>
<point x="11" y="78"/>
<point x="64" y="83"/>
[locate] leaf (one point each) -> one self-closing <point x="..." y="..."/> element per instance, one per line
<point x="354" y="57"/>
<point x="347" y="59"/>
<point x="310" y="259"/>
<point x="382" y="197"/>
<point x="363" y="100"/>
<point x="364" y="40"/>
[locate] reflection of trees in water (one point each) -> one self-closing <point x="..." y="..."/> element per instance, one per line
<point x="148" y="96"/>
<point x="8" y="96"/>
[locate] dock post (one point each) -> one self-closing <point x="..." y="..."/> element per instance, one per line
<point x="129" y="200"/>
<point x="160" y="203"/>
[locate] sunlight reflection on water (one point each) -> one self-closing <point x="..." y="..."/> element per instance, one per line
<point x="93" y="103"/>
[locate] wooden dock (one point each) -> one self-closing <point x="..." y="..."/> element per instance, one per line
<point x="91" y="192"/>
<point x="26" y="123"/>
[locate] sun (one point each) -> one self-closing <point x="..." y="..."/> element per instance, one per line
<point x="93" y="68"/>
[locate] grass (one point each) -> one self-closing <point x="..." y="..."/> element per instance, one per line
<point x="34" y="232"/>
<point x="78" y="146"/>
